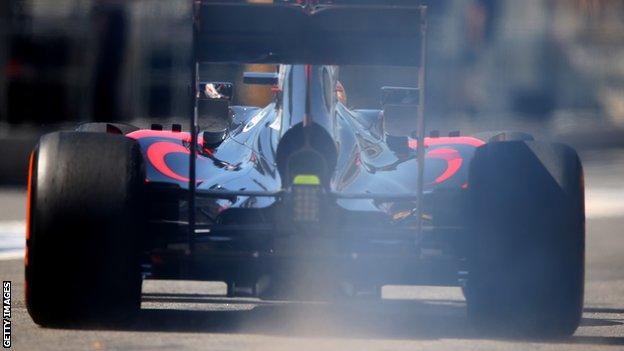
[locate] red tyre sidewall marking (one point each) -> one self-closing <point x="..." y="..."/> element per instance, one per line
<point x="29" y="195"/>
<point x="29" y="201"/>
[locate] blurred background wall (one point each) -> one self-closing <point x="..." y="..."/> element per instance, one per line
<point x="79" y="60"/>
<point x="68" y="60"/>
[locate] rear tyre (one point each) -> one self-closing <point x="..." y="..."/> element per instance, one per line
<point x="84" y="229"/>
<point x="526" y="260"/>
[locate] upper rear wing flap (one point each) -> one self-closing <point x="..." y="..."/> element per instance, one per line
<point x="340" y="34"/>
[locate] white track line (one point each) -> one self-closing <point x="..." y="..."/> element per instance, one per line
<point x="12" y="239"/>
<point x="12" y="255"/>
<point x="604" y="202"/>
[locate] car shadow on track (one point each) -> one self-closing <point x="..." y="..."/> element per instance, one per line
<point x="370" y="319"/>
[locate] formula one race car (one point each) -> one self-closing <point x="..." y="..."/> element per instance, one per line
<point x="305" y="198"/>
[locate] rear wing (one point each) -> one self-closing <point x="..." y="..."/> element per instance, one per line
<point x="350" y="32"/>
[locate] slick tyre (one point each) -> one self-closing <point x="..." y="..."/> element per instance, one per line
<point x="84" y="231"/>
<point x="526" y="260"/>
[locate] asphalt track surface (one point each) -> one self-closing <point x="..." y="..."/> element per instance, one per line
<point x="194" y="315"/>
